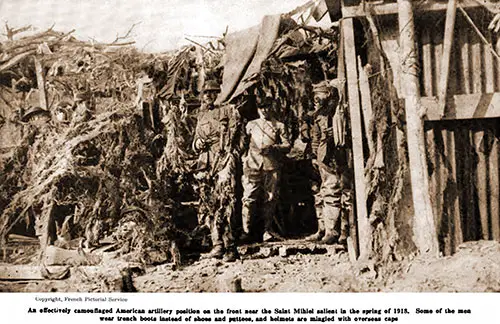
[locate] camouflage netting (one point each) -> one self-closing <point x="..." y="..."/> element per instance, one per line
<point x="116" y="177"/>
<point x="110" y="178"/>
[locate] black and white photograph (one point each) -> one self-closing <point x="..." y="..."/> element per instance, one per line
<point x="221" y="146"/>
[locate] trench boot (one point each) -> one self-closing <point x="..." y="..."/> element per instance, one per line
<point x="319" y="234"/>
<point x="269" y="235"/>
<point x="217" y="252"/>
<point x="231" y="254"/>
<point x="331" y="216"/>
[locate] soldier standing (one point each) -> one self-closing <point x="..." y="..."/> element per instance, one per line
<point x="268" y="142"/>
<point x="209" y="142"/>
<point x="330" y="157"/>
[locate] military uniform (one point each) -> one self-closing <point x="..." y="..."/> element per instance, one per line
<point x="207" y="137"/>
<point x="331" y="159"/>
<point x="268" y="140"/>
<point x="209" y="141"/>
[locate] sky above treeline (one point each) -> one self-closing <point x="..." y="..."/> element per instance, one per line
<point x="162" y="24"/>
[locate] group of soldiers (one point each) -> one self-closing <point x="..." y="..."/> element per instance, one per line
<point x="265" y="143"/>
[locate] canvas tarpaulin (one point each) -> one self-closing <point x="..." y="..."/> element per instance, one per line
<point x="245" y="52"/>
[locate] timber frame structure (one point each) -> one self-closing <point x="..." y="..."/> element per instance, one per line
<point x="449" y="85"/>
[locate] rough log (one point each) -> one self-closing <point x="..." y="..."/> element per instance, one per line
<point x="424" y="227"/>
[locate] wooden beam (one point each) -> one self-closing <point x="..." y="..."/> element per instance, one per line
<point x="454" y="204"/>
<point x="489" y="68"/>
<point x="468" y="106"/>
<point x="427" y="62"/>
<point x="477" y="76"/>
<point x="392" y="8"/>
<point x="40" y="80"/>
<point x="366" y="103"/>
<point x="449" y="28"/>
<point x="465" y="65"/>
<point x="494" y="179"/>
<point x="481" y="182"/>
<point x="424" y="226"/>
<point x="353" y="247"/>
<point x="364" y="228"/>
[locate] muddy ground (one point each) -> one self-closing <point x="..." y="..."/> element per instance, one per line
<point x="474" y="268"/>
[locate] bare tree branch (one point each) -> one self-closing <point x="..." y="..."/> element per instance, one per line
<point x="11" y="32"/>
<point x="127" y="35"/>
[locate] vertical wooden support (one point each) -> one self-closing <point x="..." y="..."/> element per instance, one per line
<point x="482" y="182"/>
<point x="476" y="65"/>
<point x="427" y="62"/>
<point x="40" y="80"/>
<point x="444" y="174"/>
<point x="437" y="46"/>
<point x="424" y="227"/>
<point x="454" y="214"/>
<point x="364" y="229"/>
<point x="493" y="186"/>
<point x="446" y="57"/>
<point x="497" y="64"/>
<point x="464" y="55"/>
<point x="366" y="102"/>
<point x="353" y="227"/>
<point x="489" y="68"/>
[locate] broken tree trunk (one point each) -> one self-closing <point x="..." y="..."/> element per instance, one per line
<point x="40" y="80"/>
<point x="424" y="228"/>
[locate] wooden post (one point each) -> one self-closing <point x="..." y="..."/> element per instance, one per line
<point x="449" y="28"/>
<point x="357" y="138"/>
<point x="427" y="62"/>
<point x="454" y="213"/>
<point x="464" y="55"/>
<point x="352" y="245"/>
<point x="481" y="181"/>
<point x="424" y="227"/>
<point x="489" y="68"/>
<point x="40" y="80"/>
<point x="366" y="102"/>
<point x="493" y="186"/>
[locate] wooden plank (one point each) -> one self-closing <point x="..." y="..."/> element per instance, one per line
<point x="469" y="186"/>
<point x="476" y="65"/>
<point x="427" y="62"/>
<point x="493" y="163"/>
<point x="434" y="149"/>
<point x="366" y="103"/>
<point x="497" y="64"/>
<point x="438" y="53"/>
<point x="392" y="8"/>
<point x="465" y="66"/>
<point x="364" y="229"/>
<point x="454" y="213"/>
<point x="424" y="228"/>
<point x="449" y="29"/>
<point x="444" y="177"/>
<point x="481" y="180"/>
<point x="471" y="106"/>
<point x="489" y="68"/>
<point x="353" y="226"/>
<point x="40" y="80"/>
